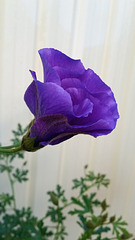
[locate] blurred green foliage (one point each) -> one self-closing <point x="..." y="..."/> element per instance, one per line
<point x="91" y="213"/>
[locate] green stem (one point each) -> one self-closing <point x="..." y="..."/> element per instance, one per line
<point x="11" y="185"/>
<point x="58" y="224"/>
<point x="11" y="146"/>
<point x="67" y="205"/>
<point x="70" y="203"/>
<point x="11" y="149"/>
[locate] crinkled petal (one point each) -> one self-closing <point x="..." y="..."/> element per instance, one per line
<point x="48" y="98"/>
<point x="93" y="82"/>
<point x="72" y="83"/>
<point x="104" y="104"/>
<point x="68" y="73"/>
<point x="82" y="105"/>
<point x="101" y="121"/>
<point x="57" y="58"/>
<point x="83" y="109"/>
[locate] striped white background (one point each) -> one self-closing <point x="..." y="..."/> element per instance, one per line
<point x="102" y="34"/>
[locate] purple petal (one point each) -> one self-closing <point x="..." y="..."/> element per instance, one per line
<point x="50" y="75"/>
<point x="57" y="58"/>
<point x="81" y="98"/>
<point x="82" y="105"/>
<point x="104" y="104"/>
<point x="72" y="83"/>
<point x="101" y="127"/>
<point x="103" y="117"/>
<point x="83" y="109"/>
<point x="48" y="98"/>
<point x="50" y="129"/>
<point x="54" y="129"/>
<point x="30" y="98"/>
<point x="93" y="82"/>
<point x="68" y="73"/>
<point x="33" y="75"/>
<point x="61" y="138"/>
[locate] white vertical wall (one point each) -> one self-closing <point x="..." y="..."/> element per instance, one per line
<point x="102" y="34"/>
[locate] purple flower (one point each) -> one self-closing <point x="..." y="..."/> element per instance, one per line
<point x="71" y="100"/>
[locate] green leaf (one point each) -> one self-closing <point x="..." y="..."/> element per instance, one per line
<point x="82" y="222"/>
<point x="77" y="202"/>
<point x="4" y="168"/>
<point x="118" y="229"/>
<point x="20" y="175"/>
<point x="20" y="131"/>
<point x="125" y="233"/>
<point x="102" y="230"/>
<point x="80" y="184"/>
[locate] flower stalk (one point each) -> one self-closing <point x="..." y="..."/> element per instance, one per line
<point x="11" y="149"/>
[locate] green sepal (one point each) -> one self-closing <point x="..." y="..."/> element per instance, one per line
<point x="28" y="144"/>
